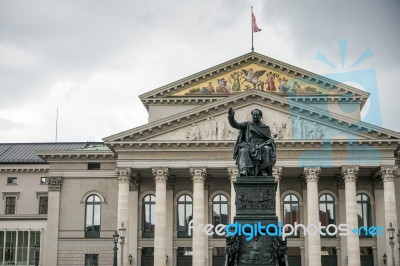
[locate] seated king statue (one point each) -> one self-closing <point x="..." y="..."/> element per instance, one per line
<point x="255" y="150"/>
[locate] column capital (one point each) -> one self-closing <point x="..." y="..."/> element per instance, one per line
<point x="160" y="174"/>
<point x="350" y="173"/>
<point x="388" y="173"/>
<point x="277" y="173"/>
<point x="123" y="175"/>
<point x="54" y="183"/>
<point x="311" y="174"/>
<point x="198" y="174"/>
<point x="233" y="173"/>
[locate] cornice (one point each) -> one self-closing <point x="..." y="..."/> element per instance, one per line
<point x="24" y="168"/>
<point x="74" y="155"/>
<point x="272" y="101"/>
<point x="184" y="100"/>
<point x="283" y="144"/>
<point x="261" y="60"/>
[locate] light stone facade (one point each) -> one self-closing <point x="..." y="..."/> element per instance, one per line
<point x="327" y="159"/>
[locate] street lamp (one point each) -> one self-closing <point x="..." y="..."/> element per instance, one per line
<point x="115" y="239"/>
<point x="37" y="250"/>
<point x="122" y="232"/>
<point x="391" y="242"/>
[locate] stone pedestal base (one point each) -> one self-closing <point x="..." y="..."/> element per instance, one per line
<point x="255" y="207"/>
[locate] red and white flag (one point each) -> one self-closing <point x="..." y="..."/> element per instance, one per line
<point x="254" y="23"/>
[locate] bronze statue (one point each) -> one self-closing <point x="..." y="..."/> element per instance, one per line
<point x="255" y="150"/>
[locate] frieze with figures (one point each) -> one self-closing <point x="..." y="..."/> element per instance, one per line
<point x="216" y="129"/>
<point x="283" y="126"/>
<point x="254" y="77"/>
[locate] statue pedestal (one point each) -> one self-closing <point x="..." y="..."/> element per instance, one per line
<point x="256" y="217"/>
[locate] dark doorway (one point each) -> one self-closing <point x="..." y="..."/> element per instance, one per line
<point x="147" y="256"/>
<point x="184" y="256"/>
<point x="218" y="257"/>
<point x="366" y="256"/>
<point x="294" y="256"/>
<point x="329" y="257"/>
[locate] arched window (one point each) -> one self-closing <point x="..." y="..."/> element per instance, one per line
<point x="327" y="212"/>
<point x="220" y="210"/>
<point x="93" y="212"/>
<point x="291" y="211"/>
<point x="364" y="212"/>
<point x="149" y="215"/>
<point x="185" y="214"/>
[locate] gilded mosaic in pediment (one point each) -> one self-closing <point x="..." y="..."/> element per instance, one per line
<point x="253" y="77"/>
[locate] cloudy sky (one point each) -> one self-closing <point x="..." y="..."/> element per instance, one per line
<point x="91" y="59"/>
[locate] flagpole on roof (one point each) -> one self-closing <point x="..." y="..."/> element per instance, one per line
<point x="252" y="31"/>
<point x="254" y="28"/>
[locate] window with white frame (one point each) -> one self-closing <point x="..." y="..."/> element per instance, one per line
<point x="149" y="215"/>
<point x="18" y="247"/>
<point x="185" y="215"/>
<point x="93" y="213"/>
<point x="327" y="212"/>
<point x="364" y="213"/>
<point x="291" y="210"/>
<point x="220" y="213"/>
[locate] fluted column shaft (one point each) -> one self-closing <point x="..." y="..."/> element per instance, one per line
<point x="388" y="174"/>
<point x="353" y="242"/>
<point x="199" y="239"/>
<point x="123" y="177"/>
<point x="277" y="173"/>
<point x="314" y="242"/>
<point x="160" y="241"/>
<point x="233" y="172"/>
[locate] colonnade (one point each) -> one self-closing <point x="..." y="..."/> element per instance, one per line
<point x="312" y="244"/>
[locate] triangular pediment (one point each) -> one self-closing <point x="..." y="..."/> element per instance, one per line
<point x="290" y="120"/>
<point x="254" y="71"/>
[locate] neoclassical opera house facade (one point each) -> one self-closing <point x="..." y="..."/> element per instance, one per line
<point x="331" y="167"/>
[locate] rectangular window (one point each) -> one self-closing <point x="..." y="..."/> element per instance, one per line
<point x="17" y="247"/>
<point x="43" y="202"/>
<point x="93" y="166"/>
<point x="11" y="180"/>
<point x="91" y="259"/>
<point x="34" y="240"/>
<point x="10" y="205"/>
<point x="22" y="248"/>
<point x="43" y="180"/>
<point x="10" y="243"/>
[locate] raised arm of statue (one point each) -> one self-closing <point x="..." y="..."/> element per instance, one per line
<point x="233" y="122"/>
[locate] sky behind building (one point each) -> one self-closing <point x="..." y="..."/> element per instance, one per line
<point x="91" y="59"/>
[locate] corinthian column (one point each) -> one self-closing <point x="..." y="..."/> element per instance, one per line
<point x="123" y="177"/>
<point x="388" y="174"/>
<point x="353" y="242"/>
<point x="311" y="176"/>
<point x="199" y="239"/>
<point x="233" y="173"/>
<point x="160" y="241"/>
<point x="277" y="173"/>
